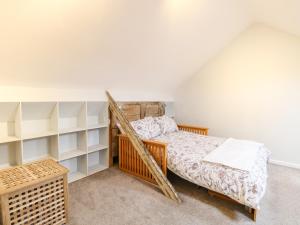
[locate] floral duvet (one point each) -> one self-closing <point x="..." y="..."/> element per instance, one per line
<point x="185" y="153"/>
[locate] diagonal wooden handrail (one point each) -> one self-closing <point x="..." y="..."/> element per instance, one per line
<point x="143" y="152"/>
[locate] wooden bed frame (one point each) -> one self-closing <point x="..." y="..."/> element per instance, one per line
<point x="130" y="162"/>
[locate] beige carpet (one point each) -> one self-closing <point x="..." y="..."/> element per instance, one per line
<point x="112" y="197"/>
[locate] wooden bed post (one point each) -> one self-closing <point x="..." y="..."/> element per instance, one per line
<point x="143" y="152"/>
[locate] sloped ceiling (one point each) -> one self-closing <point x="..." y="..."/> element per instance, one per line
<point x="123" y="44"/>
<point x="281" y="14"/>
<point x="126" y="44"/>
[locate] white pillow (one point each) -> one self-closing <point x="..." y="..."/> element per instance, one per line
<point x="166" y="124"/>
<point x="146" y="128"/>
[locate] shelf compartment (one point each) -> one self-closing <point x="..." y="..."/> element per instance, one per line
<point x="77" y="167"/>
<point x="39" y="119"/>
<point x="10" y="122"/>
<point x="97" y="161"/>
<point x="40" y="148"/>
<point x="10" y="154"/>
<point x="97" y="115"/>
<point x="72" y="145"/>
<point x="97" y="139"/>
<point x="72" y="116"/>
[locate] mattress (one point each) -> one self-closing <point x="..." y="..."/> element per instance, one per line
<point x="185" y="158"/>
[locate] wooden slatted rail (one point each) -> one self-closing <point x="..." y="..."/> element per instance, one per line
<point x="130" y="162"/>
<point x="193" y="129"/>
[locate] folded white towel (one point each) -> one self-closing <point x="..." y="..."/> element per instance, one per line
<point x="237" y="154"/>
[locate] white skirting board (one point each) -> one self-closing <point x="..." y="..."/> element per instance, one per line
<point x="287" y="164"/>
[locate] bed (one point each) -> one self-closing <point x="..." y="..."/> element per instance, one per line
<point x="183" y="151"/>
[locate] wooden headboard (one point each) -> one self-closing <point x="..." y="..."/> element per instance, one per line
<point x="133" y="111"/>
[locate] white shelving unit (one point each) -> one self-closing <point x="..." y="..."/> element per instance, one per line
<point x="73" y="133"/>
<point x="40" y="148"/>
<point x="72" y="116"/>
<point x="72" y="145"/>
<point x="97" y="139"/>
<point x="10" y="154"/>
<point x="39" y="119"/>
<point x="10" y="122"/>
<point x="97" y="115"/>
<point x="77" y="167"/>
<point x="97" y="161"/>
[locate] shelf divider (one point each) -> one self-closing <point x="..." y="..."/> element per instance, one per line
<point x="71" y="154"/>
<point x="99" y="147"/>
<point x="39" y="135"/>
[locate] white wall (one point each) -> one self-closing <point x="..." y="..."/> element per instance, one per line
<point x="250" y="91"/>
<point x="149" y="45"/>
<point x="19" y="93"/>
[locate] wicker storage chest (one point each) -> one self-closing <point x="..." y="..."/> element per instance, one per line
<point x="33" y="194"/>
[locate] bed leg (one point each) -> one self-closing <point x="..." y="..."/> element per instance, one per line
<point x="252" y="212"/>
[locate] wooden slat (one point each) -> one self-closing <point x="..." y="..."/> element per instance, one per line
<point x="143" y="152"/>
<point x="157" y="149"/>
<point x="194" y="129"/>
<point x="138" y="168"/>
